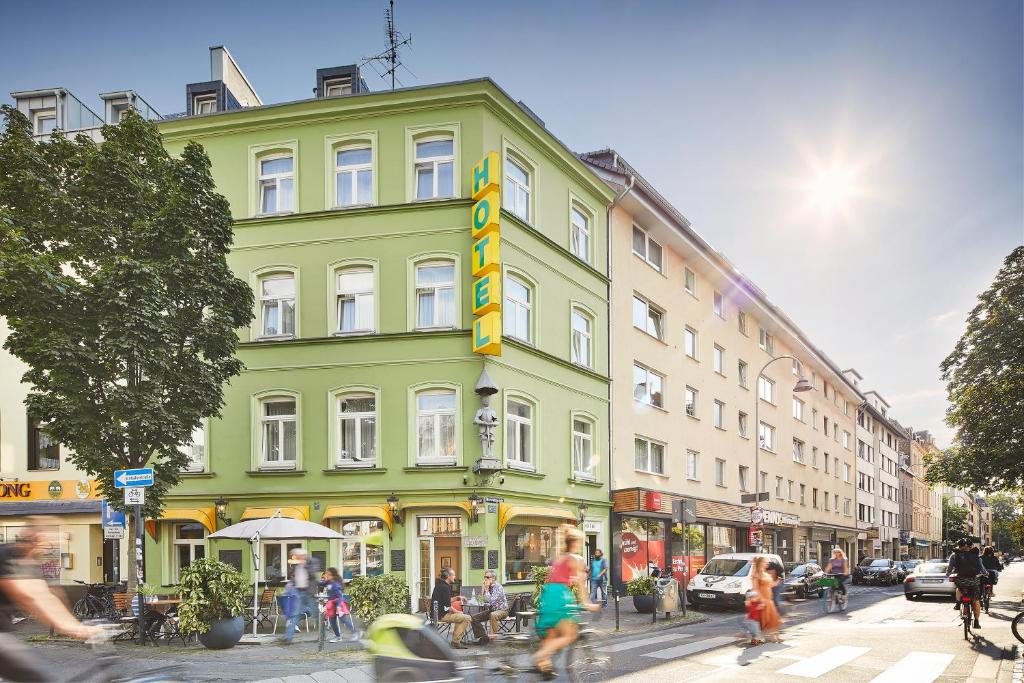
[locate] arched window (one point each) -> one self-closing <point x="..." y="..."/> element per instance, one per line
<point x="278" y="432"/>
<point x="520" y="414"/>
<point x="353" y="175"/>
<point x="357" y="430"/>
<point x="434" y="170"/>
<point x="356" y="300"/>
<point x="276" y="183"/>
<point x="435" y="294"/>
<point x="277" y="305"/>
<point x="436" y="425"/>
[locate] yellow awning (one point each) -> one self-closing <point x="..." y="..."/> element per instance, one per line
<point x="290" y="511"/>
<point x="205" y="516"/>
<point x="461" y="504"/>
<point x="381" y="512"/>
<point x="507" y="512"/>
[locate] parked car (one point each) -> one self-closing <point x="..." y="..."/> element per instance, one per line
<point x="724" y="580"/>
<point x="928" y="578"/>
<point x="876" y="571"/>
<point x="906" y="567"/>
<point x="802" y="581"/>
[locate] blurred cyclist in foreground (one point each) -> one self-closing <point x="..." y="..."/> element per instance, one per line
<point x="22" y="587"/>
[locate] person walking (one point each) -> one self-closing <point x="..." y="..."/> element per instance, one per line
<point x="336" y="609"/>
<point x="303" y="587"/>
<point x="599" y="578"/>
<point x="762" y="584"/>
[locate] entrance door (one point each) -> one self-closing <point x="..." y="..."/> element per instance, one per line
<point x="111" y="573"/>
<point x="591" y="547"/>
<point x="425" y="567"/>
<point x="438" y="545"/>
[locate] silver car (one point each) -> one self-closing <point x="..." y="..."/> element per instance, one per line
<point x="928" y="578"/>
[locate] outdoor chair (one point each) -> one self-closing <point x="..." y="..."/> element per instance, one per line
<point x="266" y="610"/>
<point x="442" y="627"/>
<point x="124" y="617"/>
<point x="510" y="624"/>
<point x="279" y="612"/>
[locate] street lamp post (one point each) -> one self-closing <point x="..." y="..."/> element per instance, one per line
<point x="802" y="385"/>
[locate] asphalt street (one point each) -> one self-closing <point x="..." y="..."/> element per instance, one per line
<point x="881" y="638"/>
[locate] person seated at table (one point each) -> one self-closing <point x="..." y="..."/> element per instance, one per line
<point x="337" y="608"/>
<point x="449" y="610"/>
<point x="497" y="603"/>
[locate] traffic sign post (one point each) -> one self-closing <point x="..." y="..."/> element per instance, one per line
<point x="134" y="482"/>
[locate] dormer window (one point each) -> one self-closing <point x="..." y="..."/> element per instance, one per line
<point x="45" y="121"/>
<point x="338" y="86"/>
<point x="204" y="104"/>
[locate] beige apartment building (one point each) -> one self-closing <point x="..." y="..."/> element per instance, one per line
<point x="691" y="334"/>
<point x="927" y="500"/>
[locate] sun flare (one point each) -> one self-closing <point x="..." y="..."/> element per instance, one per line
<point x="830" y="190"/>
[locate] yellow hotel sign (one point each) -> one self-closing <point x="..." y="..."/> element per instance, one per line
<point x="486" y="255"/>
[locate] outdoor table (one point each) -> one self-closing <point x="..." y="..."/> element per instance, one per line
<point x="524" y="617"/>
<point x="163" y="605"/>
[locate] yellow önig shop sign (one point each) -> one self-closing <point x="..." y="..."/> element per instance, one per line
<point x="486" y="255"/>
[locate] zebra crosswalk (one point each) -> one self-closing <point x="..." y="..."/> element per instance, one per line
<point x="711" y="659"/>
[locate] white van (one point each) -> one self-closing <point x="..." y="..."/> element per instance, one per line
<point x="724" y="580"/>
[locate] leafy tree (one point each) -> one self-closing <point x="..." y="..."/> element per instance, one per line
<point x="954" y="521"/>
<point x="115" y="284"/>
<point x="1005" y="513"/>
<point x="985" y="381"/>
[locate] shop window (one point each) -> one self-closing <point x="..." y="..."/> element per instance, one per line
<point x="189" y="545"/>
<point x="362" y="548"/>
<point x="723" y="540"/>
<point x="43" y="451"/>
<point x="274" y="564"/>
<point x="641" y="545"/>
<point x="527" y="546"/>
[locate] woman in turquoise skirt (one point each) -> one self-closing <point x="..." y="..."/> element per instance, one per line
<point x="557" y="610"/>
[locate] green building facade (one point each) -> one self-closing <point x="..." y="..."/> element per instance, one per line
<point x="356" y="407"/>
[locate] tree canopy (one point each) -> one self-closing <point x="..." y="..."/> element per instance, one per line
<point x="984" y="377"/>
<point x="117" y="292"/>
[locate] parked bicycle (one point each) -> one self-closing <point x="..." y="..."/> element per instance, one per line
<point x="835" y="600"/>
<point x="97" y="603"/>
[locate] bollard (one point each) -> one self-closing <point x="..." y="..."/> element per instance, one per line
<point x="615" y="594"/>
<point x="654" y="597"/>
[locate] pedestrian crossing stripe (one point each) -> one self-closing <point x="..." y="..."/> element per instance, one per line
<point x="920" y="667"/>
<point x="691" y="648"/>
<point x="641" y="642"/>
<point x="820" y="664"/>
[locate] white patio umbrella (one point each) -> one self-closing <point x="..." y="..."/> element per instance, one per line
<point x="275" y="527"/>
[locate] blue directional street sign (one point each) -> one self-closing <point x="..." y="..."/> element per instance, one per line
<point x="111" y="517"/>
<point x="142" y="476"/>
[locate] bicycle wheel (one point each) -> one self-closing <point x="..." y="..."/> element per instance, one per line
<point x="81" y="609"/>
<point x="830" y="604"/>
<point x="1017" y="627"/>
<point x="842" y="600"/>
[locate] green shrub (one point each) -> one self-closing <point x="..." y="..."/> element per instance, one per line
<point x="373" y="596"/>
<point x="540" y="577"/>
<point x="210" y="590"/>
<point x="641" y="585"/>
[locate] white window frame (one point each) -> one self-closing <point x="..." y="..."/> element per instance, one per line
<point x="511" y="196"/>
<point x="646" y="255"/>
<point x="264" y="420"/>
<point x="360" y="541"/>
<point x="720" y="472"/>
<point x="200" y="102"/>
<point x="263" y="300"/>
<point x="436" y="289"/>
<point x="581" y="342"/>
<point x="846" y="472"/>
<point x="514" y="450"/>
<point x="741" y="369"/>
<point x="587" y="441"/>
<point x="689" y="281"/>
<point x="691" y="350"/>
<point x="765" y="389"/>
<point x="338" y="84"/>
<point x="798" y="451"/>
<point x="718" y="360"/>
<point x="765" y="341"/>
<point x="718" y="414"/>
<point x="357" y="418"/>
<point x="719" y="304"/>
<point x="286" y="547"/>
<point x="743" y="478"/>
<point x="263" y="180"/>
<point x="743" y="424"/>
<point x="581" y="248"/>
<point x="192" y="544"/>
<point x="353" y="170"/>
<point x="194" y="465"/>
<point x="741" y="322"/>
<point x="692" y="465"/>
<point x="434" y="164"/>
<point x="766" y="436"/>
<point x="648" y="308"/>
<point x="41" y="115"/>
<point x="514" y="306"/>
<point x="798" y="409"/>
<point x="649" y="449"/>
<point x="360" y="297"/>
<point x="689" y="406"/>
<point x="436" y="416"/>
<point x="648" y="397"/>
<point x="846" y="439"/>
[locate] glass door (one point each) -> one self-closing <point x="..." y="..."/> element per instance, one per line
<point x="425" y="567"/>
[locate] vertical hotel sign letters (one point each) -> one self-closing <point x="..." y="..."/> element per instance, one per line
<point x="486" y="256"/>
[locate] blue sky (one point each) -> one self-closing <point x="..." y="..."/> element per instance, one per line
<point x="730" y="108"/>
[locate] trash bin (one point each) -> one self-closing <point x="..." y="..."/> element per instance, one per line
<point x="666" y="595"/>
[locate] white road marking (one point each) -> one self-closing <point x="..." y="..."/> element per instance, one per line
<point x="641" y="642"/>
<point x="691" y="648"/>
<point x="821" y="664"/>
<point x="916" y="667"/>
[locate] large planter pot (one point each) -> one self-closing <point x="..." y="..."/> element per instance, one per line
<point x="223" y="633"/>
<point x="644" y="604"/>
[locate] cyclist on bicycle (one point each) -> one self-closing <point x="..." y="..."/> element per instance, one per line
<point x="991" y="562"/>
<point x="966" y="564"/>
<point x="557" y="611"/>
<point x="839" y="567"/>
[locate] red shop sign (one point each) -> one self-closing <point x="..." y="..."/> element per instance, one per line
<point x="630" y="544"/>
<point x="652" y="501"/>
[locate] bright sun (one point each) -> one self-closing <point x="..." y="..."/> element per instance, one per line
<point x="831" y="189"/>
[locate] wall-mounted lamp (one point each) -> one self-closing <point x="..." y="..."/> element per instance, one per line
<point x="396" y="514"/>
<point x="221" y="506"/>
<point x="474" y="502"/>
<point x="583" y="507"/>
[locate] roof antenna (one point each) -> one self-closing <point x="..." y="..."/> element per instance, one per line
<point x="395" y="39"/>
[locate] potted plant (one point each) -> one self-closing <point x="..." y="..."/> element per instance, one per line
<point x="642" y="590"/>
<point x="372" y="596"/>
<point x="212" y="602"/>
